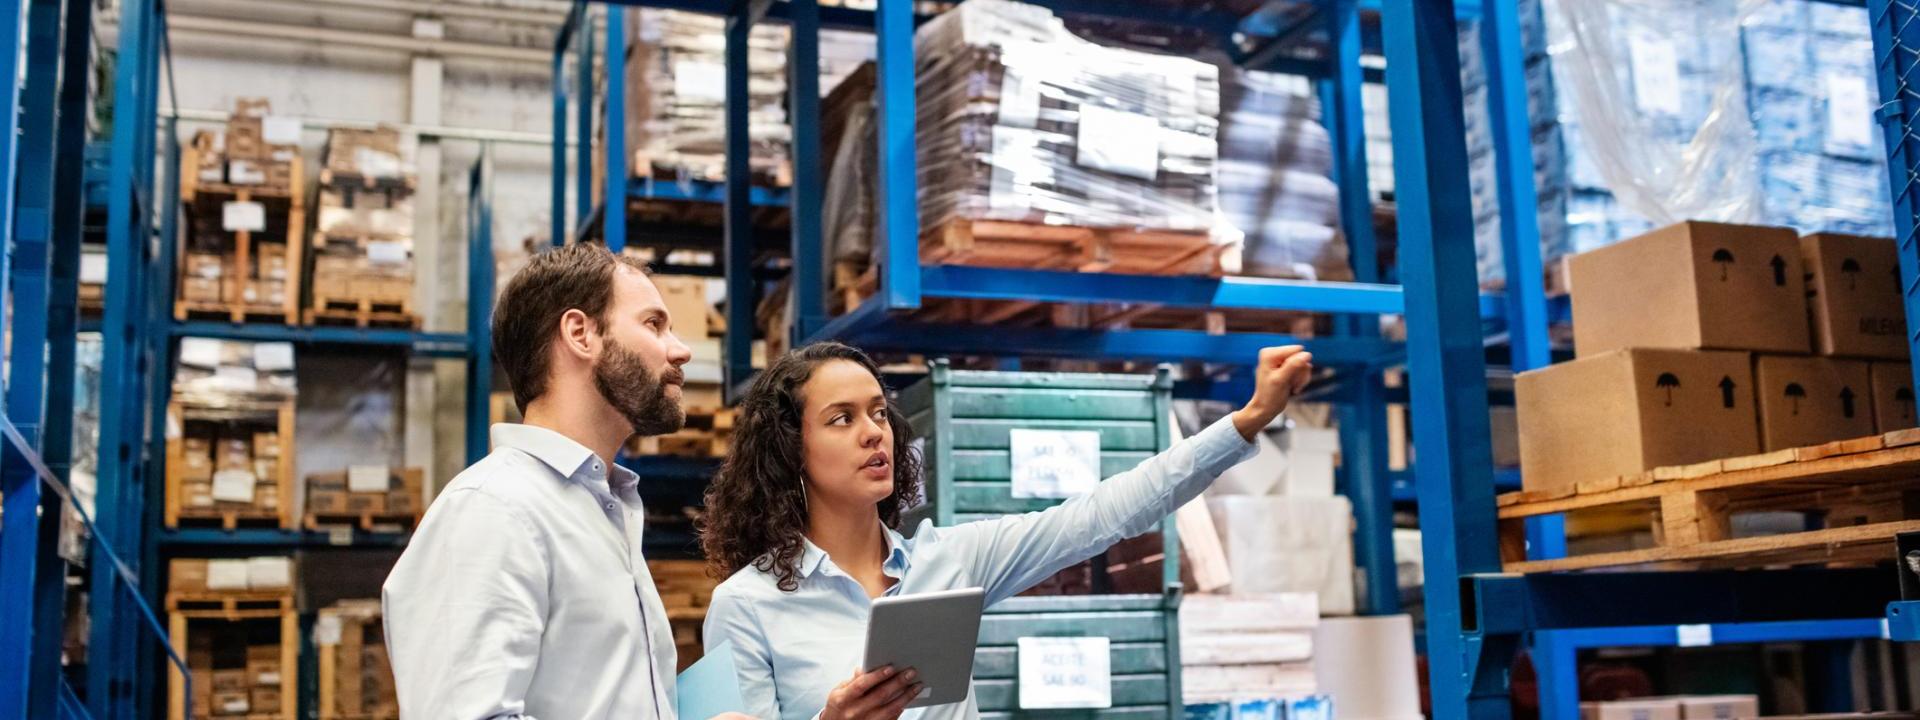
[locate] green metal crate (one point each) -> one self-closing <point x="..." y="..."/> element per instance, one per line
<point x="965" y="418"/>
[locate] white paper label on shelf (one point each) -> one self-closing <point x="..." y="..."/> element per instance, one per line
<point x="273" y="357"/>
<point x="1065" y="672"/>
<point x="1850" y="116"/>
<point x="227" y="574"/>
<point x="386" y="253"/>
<point x="1656" y="74"/>
<point x="1054" y="464"/>
<point x="368" y="478"/>
<point x="326" y="630"/>
<point x="237" y="215"/>
<point x="696" y="80"/>
<point x="235" y="377"/>
<point x="200" y="352"/>
<point x="1119" y="142"/>
<point x="340" y="535"/>
<point x="280" y="130"/>
<point x="1694" y="635"/>
<point x="234" y="486"/>
<point x="93" y="268"/>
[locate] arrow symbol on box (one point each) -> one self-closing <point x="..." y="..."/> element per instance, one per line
<point x="1846" y="401"/>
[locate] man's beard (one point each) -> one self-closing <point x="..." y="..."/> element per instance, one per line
<point x="639" y="395"/>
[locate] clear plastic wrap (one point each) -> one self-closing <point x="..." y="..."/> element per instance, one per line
<point x="1273" y="177"/>
<point x="676" y="95"/>
<point x="1020" y="120"/>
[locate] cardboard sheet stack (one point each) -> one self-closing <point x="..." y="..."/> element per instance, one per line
<point x="233" y="373"/>
<point x="1274" y="177"/>
<point x="1247" y="647"/>
<point x="1280" y="525"/>
<point x="676" y="97"/>
<point x="1020" y="120"/>
<point x="349" y="633"/>
<point x="363" y="240"/>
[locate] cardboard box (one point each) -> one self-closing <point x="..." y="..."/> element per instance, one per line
<point x="1693" y="285"/>
<point x="187" y="575"/>
<point x="269" y="573"/>
<point x="237" y="702"/>
<point x="328" y="481"/>
<point x="271" y="261"/>
<point x="1892" y="396"/>
<point x="326" y="501"/>
<point x="1853" y="295"/>
<point x="197" y="289"/>
<point x="246" y="172"/>
<point x="686" y="300"/>
<point x="1630" y="411"/>
<point x="267" y="699"/>
<point x="1811" y="400"/>
<point x="205" y="265"/>
<point x="229" y="680"/>
<point x="403" y="501"/>
<point x="263" y="665"/>
<point x="1638" y="709"/>
<point x="366" y="502"/>
<point x="266" y="445"/>
<point x="1719" y="707"/>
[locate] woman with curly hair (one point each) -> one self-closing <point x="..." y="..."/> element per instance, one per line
<point x="803" y="521"/>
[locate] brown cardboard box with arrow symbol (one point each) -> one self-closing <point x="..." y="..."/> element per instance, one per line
<point x="1853" y="296"/>
<point x="1812" y="400"/>
<point x="1694" y="285"/>
<point x="1630" y="411"/>
<point x="1893" y="407"/>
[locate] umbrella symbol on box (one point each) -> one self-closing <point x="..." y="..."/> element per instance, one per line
<point x="1796" y="394"/>
<point x="1904" y="396"/>
<point x="1667" y="382"/>
<point x="1724" y="258"/>
<point x="1846" y="401"/>
<point x="1779" y="270"/>
<point x="1851" y="268"/>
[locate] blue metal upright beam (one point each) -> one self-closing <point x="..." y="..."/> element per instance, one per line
<point x="808" y="300"/>
<point x="583" y="101"/>
<point x="1445" y="355"/>
<point x="1896" y="51"/>
<point x="737" y="365"/>
<point x="897" y="199"/>
<point x="613" y="198"/>
<point x="480" y="282"/>
<point x="559" y="229"/>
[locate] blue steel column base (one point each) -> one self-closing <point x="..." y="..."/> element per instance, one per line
<point x="1903" y="621"/>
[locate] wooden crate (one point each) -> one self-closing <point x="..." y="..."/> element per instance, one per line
<point x="685" y="590"/>
<point x="177" y="514"/>
<point x="286" y="208"/>
<point x="1866" y="491"/>
<point x="1144" y="631"/>
<point x="259" y="607"/>
<point x="340" y="665"/>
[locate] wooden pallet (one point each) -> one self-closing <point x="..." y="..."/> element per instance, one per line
<point x="232" y="312"/>
<point x="1866" y="490"/>
<point x="178" y="627"/>
<point x="365" y="521"/>
<point x="226" y="519"/>
<point x="230" y="602"/>
<point x="360" y="313"/>
<point x="706" y="434"/>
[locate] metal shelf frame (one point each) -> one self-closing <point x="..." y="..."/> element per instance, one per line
<point x="1447" y="316"/>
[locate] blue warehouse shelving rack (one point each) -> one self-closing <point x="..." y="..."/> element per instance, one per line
<point x="54" y="195"/>
<point x="1476" y="617"/>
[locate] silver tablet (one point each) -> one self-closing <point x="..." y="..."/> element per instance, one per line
<point x="934" y="633"/>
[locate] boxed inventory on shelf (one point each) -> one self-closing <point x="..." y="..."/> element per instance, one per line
<point x="1811" y="400"/>
<point x="255" y="148"/>
<point x="363" y="242"/>
<point x="1893" y="407"/>
<point x="1274" y="177"/>
<point x="366" y="489"/>
<point x="676" y="97"/>
<point x="1853" y="287"/>
<point x="223" y="575"/>
<point x="356" y="673"/>
<point x="1692" y="285"/>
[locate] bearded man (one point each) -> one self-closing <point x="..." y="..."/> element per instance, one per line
<point x="524" y="593"/>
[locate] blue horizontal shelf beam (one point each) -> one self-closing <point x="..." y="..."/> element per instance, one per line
<point x="451" y="345"/>
<point x="1509" y="604"/>
<point x="1504" y="480"/>
<point x="1727" y="633"/>
<point x="276" y="538"/>
<point x="1145" y="345"/>
<point x="702" y="191"/>
<point x="1207" y="19"/>
<point x="978" y="283"/>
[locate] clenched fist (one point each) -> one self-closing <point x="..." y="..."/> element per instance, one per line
<point x="1281" y="374"/>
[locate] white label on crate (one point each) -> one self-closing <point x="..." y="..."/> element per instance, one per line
<point x="1019" y="99"/>
<point x="387" y="253"/>
<point x="1850" y="115"/>
<point x="235" y="377"/>
<point x="226" y="574"/>
<point x="280" y="130"/>
<point x="1119" y="142"/>
<point x="326" y="630"/>
<point x="1693" y="635"/>
<point x="234" y="486"/>
<point x="249" y="216"/>
<point x="200" y="352"/>
<point x="340" y="535"/>
<point x="1065" y="672"/>
<point x="273" y="357"/>
<point x="93" y="268"/>
<point x="696" y="80"/>
<point x="368" y="478"/>
<point x="1054" y="464"/>
<point x="1656" y="74"/>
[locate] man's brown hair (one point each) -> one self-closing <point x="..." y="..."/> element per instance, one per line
<point x="574" y="276"/>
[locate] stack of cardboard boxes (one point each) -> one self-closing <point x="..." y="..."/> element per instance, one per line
<point x="231" y="678"/>
<point x="257" y="153"/>
<point x="1702" y="341"/>
<point x="233" y="410"/>
<point x="230" y="467"/>
<point x="356" y="673"/>
<point x="202" y="576"/>
<point x="256" y="149"/>
<point x="367" y="489"/>
<point x="363" y="240"/>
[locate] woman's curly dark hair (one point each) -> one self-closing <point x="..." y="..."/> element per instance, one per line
<point x="756" y="506"/>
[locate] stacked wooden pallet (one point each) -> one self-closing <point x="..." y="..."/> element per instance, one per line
<point x="686" y="590"/>
<point x="230" y="467"/>
<point x="371" y="498"/>
<point x="240" y="637"/>
<point x="1859" y="491"/>
<point x="363" y="265"/>
<point x="245" y="211"/>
